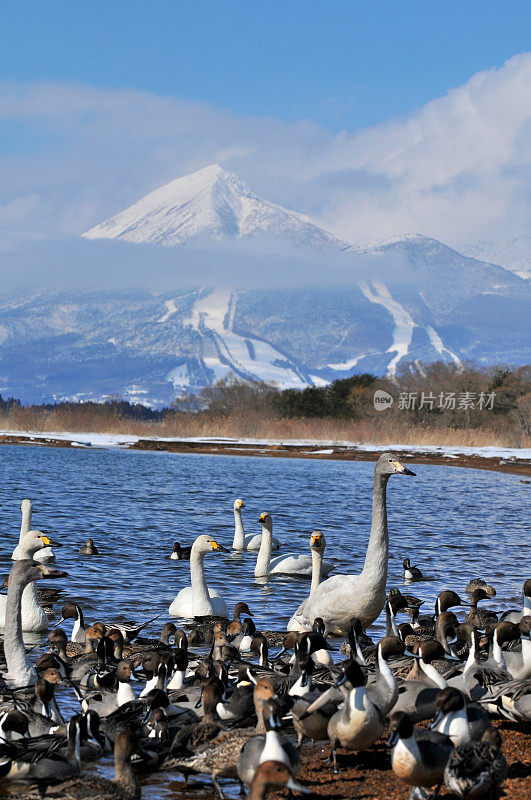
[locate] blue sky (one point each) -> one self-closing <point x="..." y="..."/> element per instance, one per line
<point x="342" y="64"/>
<point x="374" y="119"/>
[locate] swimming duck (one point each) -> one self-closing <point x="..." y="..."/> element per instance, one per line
<point x="479" y="583"/>
<point x="477" y="769"/>
<point x="89" y="549"/>
<point x="419" y="756"/>
<point x="411" y="573"/>
<point x="198" y="600"/>
<point x="74" y="611"/>
<point x="249" y="541"/>
<point x="105" y="701"/>
<point x="342" y="597"/>
<point x="179" y="553"/>
<point x="283" y="565"/>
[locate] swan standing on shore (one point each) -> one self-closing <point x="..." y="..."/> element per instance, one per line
<point x="20" y="671"/>
<point x="248" y="541"/>
<point x="282" y="565"/>
<point x="33" y="615"/>
<point x="343" y="597"/>
<point x="197" y="600"/>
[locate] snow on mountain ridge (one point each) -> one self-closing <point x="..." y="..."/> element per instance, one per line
<point x="210" y="202"/>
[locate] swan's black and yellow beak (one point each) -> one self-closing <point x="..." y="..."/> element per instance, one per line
<point x="401" y="469"/>
<point x="215" y="546"/>
<point x="47" y="542"/>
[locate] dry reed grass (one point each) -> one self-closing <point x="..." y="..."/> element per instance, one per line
<point x="252" y="425"/>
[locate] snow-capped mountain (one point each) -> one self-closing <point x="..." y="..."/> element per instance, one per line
<point x="416" y="300"/>
<point x="514" y="254"/>
<point x="210" y="203"/>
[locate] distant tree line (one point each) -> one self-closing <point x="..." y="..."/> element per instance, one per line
<point x="424" y="396"/>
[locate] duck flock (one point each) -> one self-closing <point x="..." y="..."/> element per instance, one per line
<point x="218" y="698"/>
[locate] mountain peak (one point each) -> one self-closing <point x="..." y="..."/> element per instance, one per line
<point x="211" y="203"/>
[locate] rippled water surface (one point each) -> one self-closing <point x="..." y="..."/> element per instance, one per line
<point x="454" y="523"/>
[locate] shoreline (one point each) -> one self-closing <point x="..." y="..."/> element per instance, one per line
<point x="509" y="460"/>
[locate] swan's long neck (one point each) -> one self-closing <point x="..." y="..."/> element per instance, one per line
<point x="31" y="608"/>
<point x="264" y="554"/>
<point x="377" y="556"/>
<point x="317" y="563"/>
<point x="201" y="605"/>
<point x="238" y="542"/>
<point x="21" y="672"/>
<point x="25" y="525"/>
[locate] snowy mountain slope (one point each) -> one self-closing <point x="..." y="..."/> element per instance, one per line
<point x="209" y="203"/>
<point x="407" y="299"/>
<point x="514" y="254"/>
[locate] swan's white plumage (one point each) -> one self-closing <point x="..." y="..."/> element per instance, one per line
<point x="197" y="600"/>
<point x="282" y="565"/>
<point x="342" y="597"/>
<point x="33" y="615"/>
<point x="247" y="541"/>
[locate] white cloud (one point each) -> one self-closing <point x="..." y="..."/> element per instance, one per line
<point x="458" y="169"/>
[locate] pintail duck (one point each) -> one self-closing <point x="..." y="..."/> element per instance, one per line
<point x="85" y="786"/>
<point x="516" y="616"/>
<point x="417" y="696"/>
<point x="419" y="756"/>
<point x="45" y="760"/>
<point x="273" y="775"/>
<point x="479" y="583"/>
<point x="359" y="723"/>
<point x="460" y="721"/>
<point x="267" y="747"/>
<point x="218" y="758"/>
<point x="480" y="617"/>
<point x="236" y="626"/>
<point x="476" y="769"/>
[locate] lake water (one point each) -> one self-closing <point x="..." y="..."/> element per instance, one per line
<point x="454" y="523"/>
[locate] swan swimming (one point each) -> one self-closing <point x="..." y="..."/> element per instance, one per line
<point x="249" y="541"/>
<point x="342" y="597"/>
<point x="33" y="615"/>
<point x="282" y="565"/>
<point x="46" y="554"/>
<point x="197" y="600"/>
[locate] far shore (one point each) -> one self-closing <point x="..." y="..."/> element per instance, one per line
<point x="500" y="459"/>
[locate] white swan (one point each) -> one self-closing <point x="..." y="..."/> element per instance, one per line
<point x="198" y="600"/>
<point x="343" y="597"/>
<point x="282" y="565"/>
<point x="248" y="541"/>
<point x="20" y="671"/>
<point x="44" y="555"/>
<point x="317" y="546"/>
<point x="33" y="615"/>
